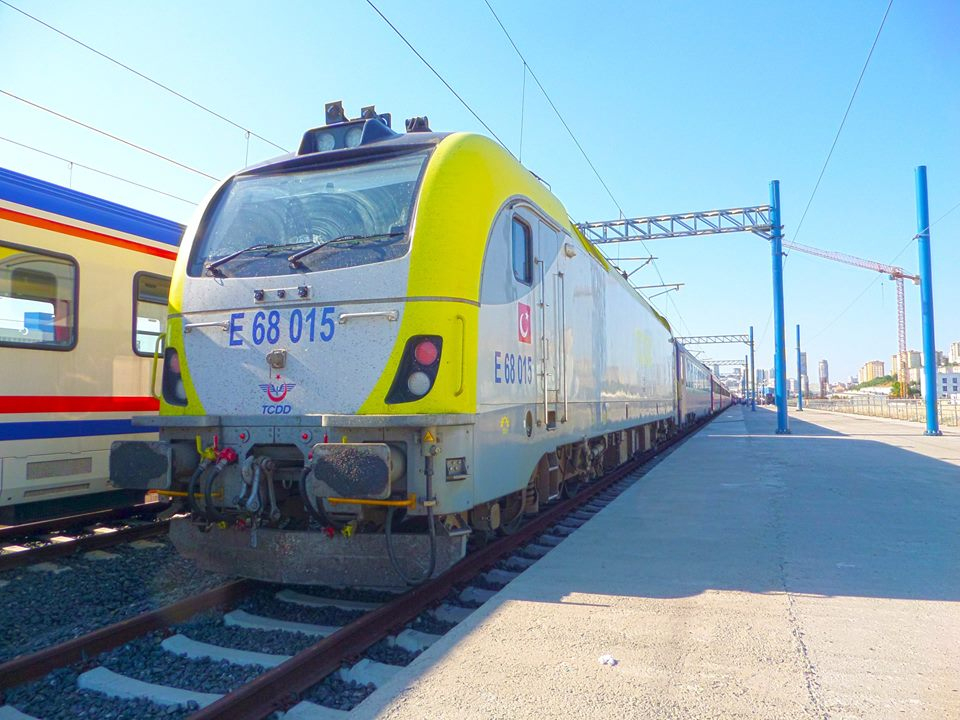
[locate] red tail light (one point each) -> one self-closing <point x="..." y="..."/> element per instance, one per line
<point x="418" y="369"/>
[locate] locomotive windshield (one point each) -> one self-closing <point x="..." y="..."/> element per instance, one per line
<point x="308" y="220"/>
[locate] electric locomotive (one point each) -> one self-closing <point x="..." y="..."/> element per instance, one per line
<point x="383" y="343"/>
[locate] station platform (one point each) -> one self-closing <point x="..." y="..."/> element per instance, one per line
<point x="747" y="575"/>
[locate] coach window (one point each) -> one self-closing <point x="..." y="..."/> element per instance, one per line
<point x="150" y="294"/>
<point x="38" y="299"/>
<point x="522" y="252"/>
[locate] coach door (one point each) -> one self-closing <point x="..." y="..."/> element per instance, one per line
<point x="551" y="320"/>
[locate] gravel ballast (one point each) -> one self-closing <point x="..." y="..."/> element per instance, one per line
<point x="43" y="608"/>
<point x="57" y="697"/>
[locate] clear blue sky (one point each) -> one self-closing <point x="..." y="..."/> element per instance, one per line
<point x="681" y="106"/>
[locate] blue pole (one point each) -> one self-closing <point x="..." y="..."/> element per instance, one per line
<point x="779" y="339"/>
<point x="926" y="304"/>
<point x="753" y="376"/>
<point x="799" y="375"/>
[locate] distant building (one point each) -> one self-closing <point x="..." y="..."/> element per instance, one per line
<point x="870" y="370"/>
<point x="824" y="372"/>
<point x="955" y="353"/>
<point x="913" y="358"/>
<point x="947" y="384"/>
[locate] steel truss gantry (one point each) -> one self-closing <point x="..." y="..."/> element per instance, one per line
<point x="712" y="339"/>
<point x="762" y="220"/>
<point x="750" y="383"/>
<point x="724" y="363"/>
<point x="710" y="222"/>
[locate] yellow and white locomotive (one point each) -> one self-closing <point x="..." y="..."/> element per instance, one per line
<point x="383" y="343"/>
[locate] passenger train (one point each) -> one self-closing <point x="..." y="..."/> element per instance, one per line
<point x="386" y="342"/>
<point x="83" y="304"/>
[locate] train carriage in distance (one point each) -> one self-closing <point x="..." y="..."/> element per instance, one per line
<point x="384" y="343"/>
<point x="83" y="304"/>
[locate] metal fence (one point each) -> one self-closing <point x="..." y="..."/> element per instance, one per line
<point x="880" y="406"/>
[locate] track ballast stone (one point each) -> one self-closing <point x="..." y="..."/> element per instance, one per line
<point x="57" y="697"/>
<point x="43" y="609"/>
<point x="144" y="659"/>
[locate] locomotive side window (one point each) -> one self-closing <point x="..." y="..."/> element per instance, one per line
<point x="522" y="252"/>
<point x="150" y="294"/>
<point x="38" y="299"/>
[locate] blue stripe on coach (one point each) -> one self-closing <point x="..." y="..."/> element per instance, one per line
<point x="69" y="428"/>
<point x="29" y="191"/>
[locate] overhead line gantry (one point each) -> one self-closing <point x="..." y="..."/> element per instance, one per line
<point x="762" y="220"/>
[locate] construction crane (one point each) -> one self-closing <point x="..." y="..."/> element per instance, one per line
<point x="894" y="273"/>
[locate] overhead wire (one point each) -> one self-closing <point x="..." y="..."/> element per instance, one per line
<point x="434" y="71"/>
<point x="74" y="163"/>
<point x="109" y="135"/>
<point x="833" y="145"/>
<point x="144" y="76"/>
<point x="573" y="137"/>
<point x="844" y="120"/>
<point x="880" y="277"/>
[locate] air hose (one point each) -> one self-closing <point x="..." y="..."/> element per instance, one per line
<point x="192" y="487"/>
<point x="226" y="456"/>
<point x="428" y="472"/>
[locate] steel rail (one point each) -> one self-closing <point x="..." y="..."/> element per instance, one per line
<point x="89" y="542"/>
<point x="281" y="685"/>
<point x="37" y="664"/>
<point x="68" y="522"/>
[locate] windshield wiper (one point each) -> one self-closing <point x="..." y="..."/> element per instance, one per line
<point x="212" y="268"/>
<point x="294" y="259"/>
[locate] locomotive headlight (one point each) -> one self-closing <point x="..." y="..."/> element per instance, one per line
<point x="418" y="383"/>
<point x="325" y="141"/>
<point x="352" y="138"/>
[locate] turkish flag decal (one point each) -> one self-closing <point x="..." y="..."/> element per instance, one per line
<point x="523" y="322"/>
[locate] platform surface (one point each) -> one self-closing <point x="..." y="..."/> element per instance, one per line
<point x="748" y="575"/>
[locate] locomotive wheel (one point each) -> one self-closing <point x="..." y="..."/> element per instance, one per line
<point x="511" y="513"/>
<point x="571" y="487"/>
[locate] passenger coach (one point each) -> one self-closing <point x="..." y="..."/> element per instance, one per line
<point x="83" y="306"/>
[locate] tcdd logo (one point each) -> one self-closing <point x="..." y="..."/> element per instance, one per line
<point x="276" y="409"/>
<point x="523" y="322"/>
<point x="276" y="392"/>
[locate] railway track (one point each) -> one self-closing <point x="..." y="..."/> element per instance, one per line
<point x="35" y="542"/>
<point x="283" y="678"/>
